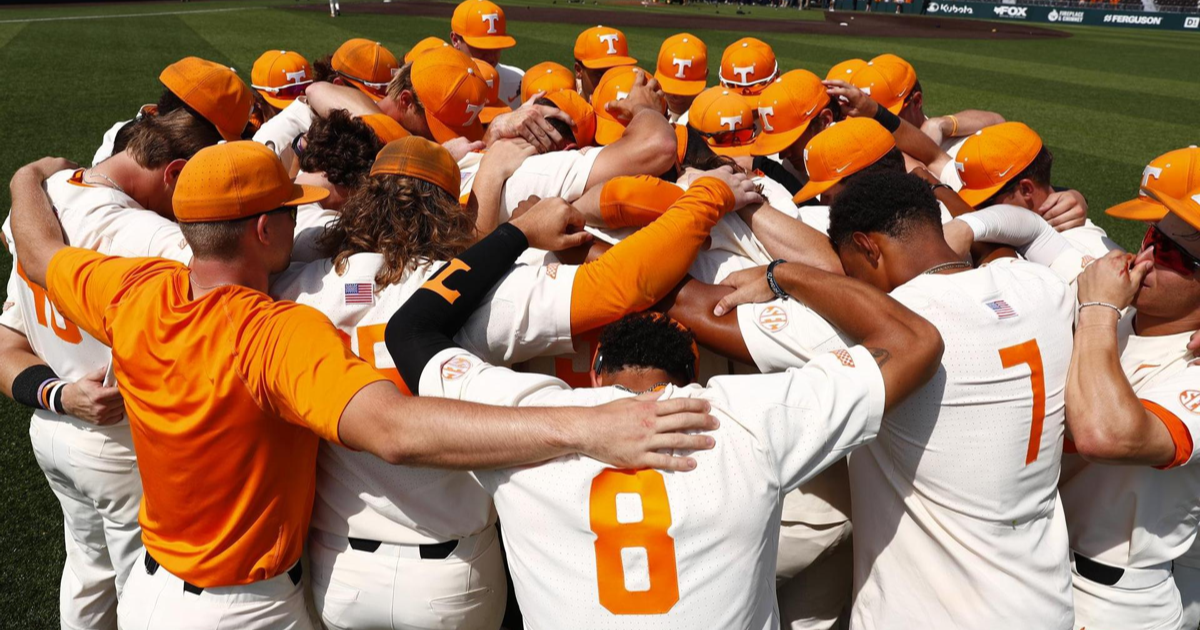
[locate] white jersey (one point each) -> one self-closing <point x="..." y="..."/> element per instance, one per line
<point x="555" y="174"/>
<point x="278" y="132"/>
<point x="361" y="496"/>
<point x="510" y="84"/>
<point x="311" y="221"/>
<point x="590" y="546"/>
<point x="1139" y="516"/>
<point x="957" y="522"/>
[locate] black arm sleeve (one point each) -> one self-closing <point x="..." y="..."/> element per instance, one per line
<point x="428" y="321"/>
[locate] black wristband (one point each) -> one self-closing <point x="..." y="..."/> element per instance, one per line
<point x="39" y="387"/>
<point x="890" y="121"/>
<point x="775" y="288"/>
<point x="935" y="187"/>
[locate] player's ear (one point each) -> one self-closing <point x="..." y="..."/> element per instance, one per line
<point x="1026" y="188"/>
<point x="172" y="171"/>
<point x="262" y="229"/>
<point x="868" y="247"/>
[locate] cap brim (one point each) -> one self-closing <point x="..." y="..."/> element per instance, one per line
<point x="738" y="151"/>
<point x="491" y="42"/>
<point x="895" y="109"/>
<point x="445" y="133"/>
<point x="772" y="143"/>
<point x="276" y="102"/>
<point x="812" y="189"/>
<point x="364" y="89"/>
<point x="974" y="196"/>
<point x="679" y="87"/>
<point x="608" y="131"/>
<point x="1138" y="210"/>
<point x="1185" y="209"/>
<point x="302" y="194"/>
<point x="490" y="113"/>
<point x="609" y="62"/>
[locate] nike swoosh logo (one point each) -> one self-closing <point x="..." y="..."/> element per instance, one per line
<point x="810" y="111"/>
<point x="839" y="170"/>
<point x="1005" y="172"/>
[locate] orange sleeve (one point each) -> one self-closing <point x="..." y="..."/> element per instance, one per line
<point x="1179" y="434"/>
<point x="84" y="285"/>
<point x="640" y="270"/>
<point x="636" y="201"/>
<point x="297" y="359"/>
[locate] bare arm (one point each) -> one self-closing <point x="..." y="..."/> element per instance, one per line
<point x="692" y="304"/>
<point x="87" y="399"/>
<point x="790" y="239"/>
<point x="35" y="227"/>
<point x="325" y="97"/>
<point x="964" y="123"/>
<point x="909" y="139"/>
<point x="499" y="163"/>
<point x="15" y="356"/>
<point x="648" y="145"/>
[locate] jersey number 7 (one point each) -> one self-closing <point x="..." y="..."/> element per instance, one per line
<point x="1029" y="354"/>
<point x="632" y="540"/>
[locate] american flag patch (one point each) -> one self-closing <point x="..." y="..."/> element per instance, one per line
<point x="1001" y="309"/>
<point x="360" y="293"/>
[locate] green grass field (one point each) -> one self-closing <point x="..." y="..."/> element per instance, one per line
<point x="1106" y="102"/>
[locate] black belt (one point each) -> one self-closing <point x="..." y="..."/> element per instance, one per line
<point x="1097" y="572"/>
<point x="294" y="573"/>
<point x="440" y="551"/>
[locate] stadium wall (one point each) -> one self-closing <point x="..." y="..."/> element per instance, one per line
<point x="1029" y="13"/>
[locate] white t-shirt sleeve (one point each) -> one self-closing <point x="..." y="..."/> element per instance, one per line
<point x="279" y="131"/>
<point x="1178" y="396"/>
<point x="810" y="417"/>
<point x="528" y="314"/>
<point x="555" y="174"/>
<point x="786" y="333"/>
<point x="459" y="375"/>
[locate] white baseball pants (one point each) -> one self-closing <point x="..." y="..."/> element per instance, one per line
<point x="94" y="474"/>
<point x="1140" y="606"/>
<point x="395" y="589"/>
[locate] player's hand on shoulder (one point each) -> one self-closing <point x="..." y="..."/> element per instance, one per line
<point x="632" y="432"/>
<point x="855" y="102"/>
<point x="749" y="287"/>
<point x="745" y="191"/>
<point x="1064" y="210"/>
<point x="1115" y="279"/>
<point x="553" y="225"/>
<point x="91" y="401"/>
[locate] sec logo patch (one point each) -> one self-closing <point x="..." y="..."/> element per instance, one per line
<point x="773" y="319"/>
<point x="1190" y="399"/>
<point x="455" y="368"/>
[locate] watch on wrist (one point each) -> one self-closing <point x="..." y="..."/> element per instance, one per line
<point x="775" y="288"/>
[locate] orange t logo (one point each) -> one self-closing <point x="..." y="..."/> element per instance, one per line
<point x="437" y="283"/>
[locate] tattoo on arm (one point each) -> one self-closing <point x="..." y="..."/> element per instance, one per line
<point x="881" y="356"/>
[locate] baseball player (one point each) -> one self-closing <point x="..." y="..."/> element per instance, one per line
<point x="589" y="544"/>
<point x="208" y="89"/>
<point x="748" y="66"/>
<point x="955" y="507"/>
<point x="479" y="30"/>
<point x="362" y="63"/>
<point x="682" y="71"/>
<point x="227" y="417"/>
<point x="546" y="77"/>
<point x="335" y="8"/>
<point x="279" y="78"/>
<point x="598" y="49"/>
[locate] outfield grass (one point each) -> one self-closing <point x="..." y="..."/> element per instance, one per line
<point x="1106" y="102"/>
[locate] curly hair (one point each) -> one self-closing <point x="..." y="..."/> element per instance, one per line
<point x="648" y="340"/>
<point x="408" y="220"/>
<point x="323" y="69"/>
<point x="341" y="147"/>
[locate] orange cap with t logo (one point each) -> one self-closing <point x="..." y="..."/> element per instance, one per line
<point x="546" y="77"/>
<point x="987" y="160"/>
<point x="235" y="180"/>
<point x="367" y="65"/>
<point x="213" y="91"/>
<point x="748" y="66"/>
<point x="425" y="45"/>
<point x="280" y="76"/>
<point x="453" y="94"/>
<point x="725" y="119"/>
<point x="603" y="47"/>
<point x="887" y="79"/>
<point x="840" y="151"/>
<point x="1173" y="174"/>
<point x="786" y="108"/>
<point x="481" y="24"/>
<point x="682" y="67"/>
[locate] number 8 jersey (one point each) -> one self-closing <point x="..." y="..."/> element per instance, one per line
<point x="591" y="546"/>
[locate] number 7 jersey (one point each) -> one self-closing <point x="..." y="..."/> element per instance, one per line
<point x="957" y="521"/>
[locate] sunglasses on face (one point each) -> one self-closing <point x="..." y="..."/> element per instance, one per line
<point x="1169" y="254"/>
<point x="735" y="138"/>
<point x="287" y="91"/>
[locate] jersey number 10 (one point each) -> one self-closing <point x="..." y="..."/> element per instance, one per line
<point x="616" y="541"/>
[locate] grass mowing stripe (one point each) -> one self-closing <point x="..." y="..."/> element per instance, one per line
<point x="67" y="18"/>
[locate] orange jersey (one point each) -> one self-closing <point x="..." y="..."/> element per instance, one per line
<point x="227" y="397"/>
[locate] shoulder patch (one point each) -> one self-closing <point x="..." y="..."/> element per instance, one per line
<point x="1190" y="399"/>
<point x="456" y="367"/>
<point x="773" y="319"/>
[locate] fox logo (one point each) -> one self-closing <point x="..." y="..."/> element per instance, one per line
<point x="611" y="39"/>
<point x="731" y="122"/>
<point x="744" y="72"/>
<point x="294" y="77"/>
<point x="680" y="66"/>
<point x="491" y="19"/>
<point x="763" y="113"/>
<point x="473" y="110"/>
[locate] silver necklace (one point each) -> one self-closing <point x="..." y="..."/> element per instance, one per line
<point x="944" y="266"/>
<point x="111" y="183"/>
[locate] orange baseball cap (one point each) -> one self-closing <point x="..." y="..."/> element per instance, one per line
<point x="425" y="45"/>
<point x="367" y="65"/>
<point x="280" y="76"/>
<point x="1172" y="174"/>
<point x="840" y="151"/>
<point x="422" y="159"/>
<point x="481" y="24"/>
<point x="453" y="94"/>
<point x="888" y="81"/>
<point x="385" y="127"/>
<point x="614" y="86"/>
<point x="844" y="70"/>
<point x="987" y="160"/>
<point x="494" y="107"/>
<point x="1186" y="207"/>
<point x="748" y="66"/>
<point x="682" y="65"/>
<point x="235" y="180"/>
<point x="726" y="119"/>
<point x="581" y="113"/>
<point x="546" y="77"/>
<point x="603" y="47"/>
<point x="214" y="91"/>
<point x="786" y="108"/>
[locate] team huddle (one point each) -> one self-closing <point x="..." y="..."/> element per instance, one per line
<point x="372" y="340"/>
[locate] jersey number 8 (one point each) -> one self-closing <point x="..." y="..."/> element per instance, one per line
<point x="617" y="541"/>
